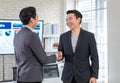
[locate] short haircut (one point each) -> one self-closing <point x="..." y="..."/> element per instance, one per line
<point x="27" y="13"/>
<point x="76" y="13"/>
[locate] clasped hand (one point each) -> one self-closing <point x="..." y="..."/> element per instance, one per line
<point x="59" y="56"/>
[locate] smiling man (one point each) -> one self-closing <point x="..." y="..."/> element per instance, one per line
<point x="78" y="46"/>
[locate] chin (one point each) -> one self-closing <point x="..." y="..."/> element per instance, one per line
<point x="71" y="28"/>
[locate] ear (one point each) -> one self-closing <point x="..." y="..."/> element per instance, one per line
<point x="79" y="20"/>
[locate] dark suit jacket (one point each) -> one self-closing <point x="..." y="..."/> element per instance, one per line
<point x="30" y="56"/>
<point x="77" y="63"/>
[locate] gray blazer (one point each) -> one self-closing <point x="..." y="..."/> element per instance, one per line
<point x="30" y="56"/>
<point x="77" y="63"/>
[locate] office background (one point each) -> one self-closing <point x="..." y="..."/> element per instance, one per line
<point x="54" y="11"/>
<point x="51" y="11"/>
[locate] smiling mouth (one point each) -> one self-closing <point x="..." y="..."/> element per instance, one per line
<point x="69" y="25"/>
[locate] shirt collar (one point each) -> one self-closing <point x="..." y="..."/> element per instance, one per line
<point x="28" y="27"/>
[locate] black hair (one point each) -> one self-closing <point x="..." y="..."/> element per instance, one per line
<point x="76" y="13"/>
<point x="27" y="13"/>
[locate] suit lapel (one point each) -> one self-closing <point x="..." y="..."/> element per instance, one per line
<point x="69" y="42"/>
<point x="79" y="40"/>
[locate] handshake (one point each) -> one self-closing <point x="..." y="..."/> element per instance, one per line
<point x="59" y="53"/>
<point x="59" y="56"/>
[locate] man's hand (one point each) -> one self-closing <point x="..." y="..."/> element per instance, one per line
<point x="59" y="56"/>
<point x="92" y="80"/>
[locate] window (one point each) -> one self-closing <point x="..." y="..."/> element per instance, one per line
<point x="95" y="20"/>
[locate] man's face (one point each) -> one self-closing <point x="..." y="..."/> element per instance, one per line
<point x="36" y="20"/>
<point x="71" y="21"/>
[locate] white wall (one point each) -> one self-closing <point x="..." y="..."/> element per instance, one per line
<point x="68" y="5"/>
<point x="113" y="18"/>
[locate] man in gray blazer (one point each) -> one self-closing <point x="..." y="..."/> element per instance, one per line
<point x="78" y="46"/>
<point x="29" y="53"/>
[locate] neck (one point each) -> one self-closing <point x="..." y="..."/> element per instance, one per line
<point x="76" y="31"/>
<point x="29" y="26"/>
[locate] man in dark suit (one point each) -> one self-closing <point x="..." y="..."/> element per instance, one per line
<point x="29" y="53"/>
<point x="78" y="47"/>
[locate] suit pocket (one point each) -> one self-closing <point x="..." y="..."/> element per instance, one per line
<point x="67" y="71"/>
<point x="83" y="66"/>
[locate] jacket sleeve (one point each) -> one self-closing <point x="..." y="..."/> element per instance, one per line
<point x="94" y="57"/>
<point x="60" y="47"/>
<point x="60" y="44"/>
<point x="38" y="50"/>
